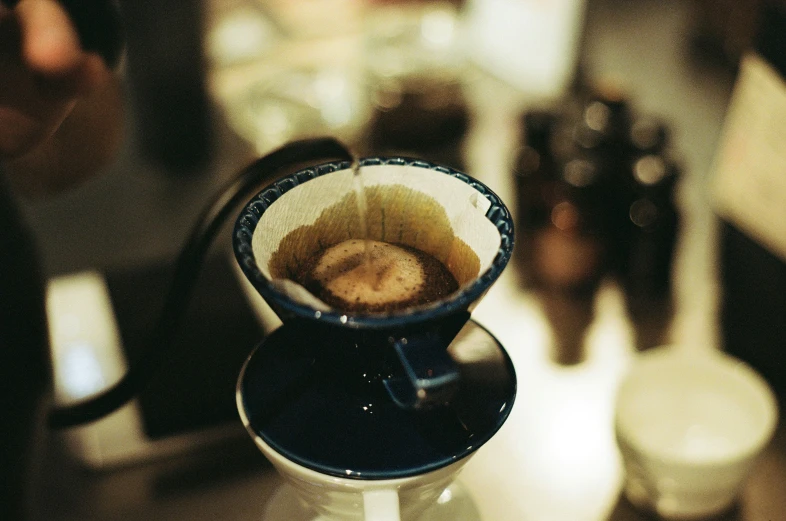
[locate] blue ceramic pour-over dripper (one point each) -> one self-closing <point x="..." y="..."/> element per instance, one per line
<point x="376" y="395"/>
<point x="434" y="209"/>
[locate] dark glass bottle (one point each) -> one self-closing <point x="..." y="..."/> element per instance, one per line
<point x="651" y="230"/>
<point x="425" y="119"/>
<point x="534" y="168"/>
<point x="603" y="133"/>
<point x="750" y="190"/>
<point x="604" y="127"/>
<point x="569" y="249"/>
<point x="647" y="135"/>
<point x="167" y="78"/>
<point x="533" y="172"/>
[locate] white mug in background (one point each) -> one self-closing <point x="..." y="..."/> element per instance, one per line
<point x="690" y="428"/>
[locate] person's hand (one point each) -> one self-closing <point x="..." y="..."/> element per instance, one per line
<point x="49" y="79"/>
<point x="44" y="71"/>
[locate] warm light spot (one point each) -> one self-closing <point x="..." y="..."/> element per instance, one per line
<point x="565" y="216"/>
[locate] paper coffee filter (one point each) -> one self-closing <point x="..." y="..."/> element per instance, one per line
<point x="410" y="205"/>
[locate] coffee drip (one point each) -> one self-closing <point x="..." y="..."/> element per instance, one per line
<point x="360" y="198"/>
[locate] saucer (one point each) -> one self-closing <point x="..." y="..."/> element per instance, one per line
<point x="296" y="404"/>
<point x="455" y="504"/>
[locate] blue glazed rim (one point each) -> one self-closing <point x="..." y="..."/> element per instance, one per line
<point x="246" y="223"/>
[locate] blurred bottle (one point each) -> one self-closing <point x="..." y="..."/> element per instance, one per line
<point x="427" y="119"/>
<point x="569" y="249"/>
<point x="722" y="30"/>
<point x="534" y="173"/>
<point x="750" y="197"/>
<point x="534" y="168"/>
<point x="649" y="217"/>
<point x="166" y="70"/>
<point x="648" y="135"/>
<point x="565" y="179"/>
<point x="570" y="315"/>
<point x="651" y="229"/>
<point x="605" y="123"/>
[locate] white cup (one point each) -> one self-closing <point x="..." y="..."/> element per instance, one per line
<point x="689" y="428"/>
<point x="348" y="499"/>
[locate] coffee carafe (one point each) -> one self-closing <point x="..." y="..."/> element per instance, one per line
<point x="371" y="415"/>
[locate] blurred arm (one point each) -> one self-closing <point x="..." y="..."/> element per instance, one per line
<point x="60" y="105"/>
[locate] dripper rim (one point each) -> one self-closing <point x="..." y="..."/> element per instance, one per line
<point x="246" y="223"/>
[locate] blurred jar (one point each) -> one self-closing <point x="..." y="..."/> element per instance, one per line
<point x="534" y="169"/>
<point x="427" y="119"/>
<point x="721" y="31"/>
<point x="604" y="127"/>
<point x="534" y="173"/>
<point x="651" y="232"/>
<point x="415" y="66"/>
<point x="569" y="250"/>
<point x="303" y="102"/>
<point x="648" y="135"/>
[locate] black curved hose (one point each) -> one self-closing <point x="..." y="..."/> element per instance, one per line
<point x="186" y="272"/>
